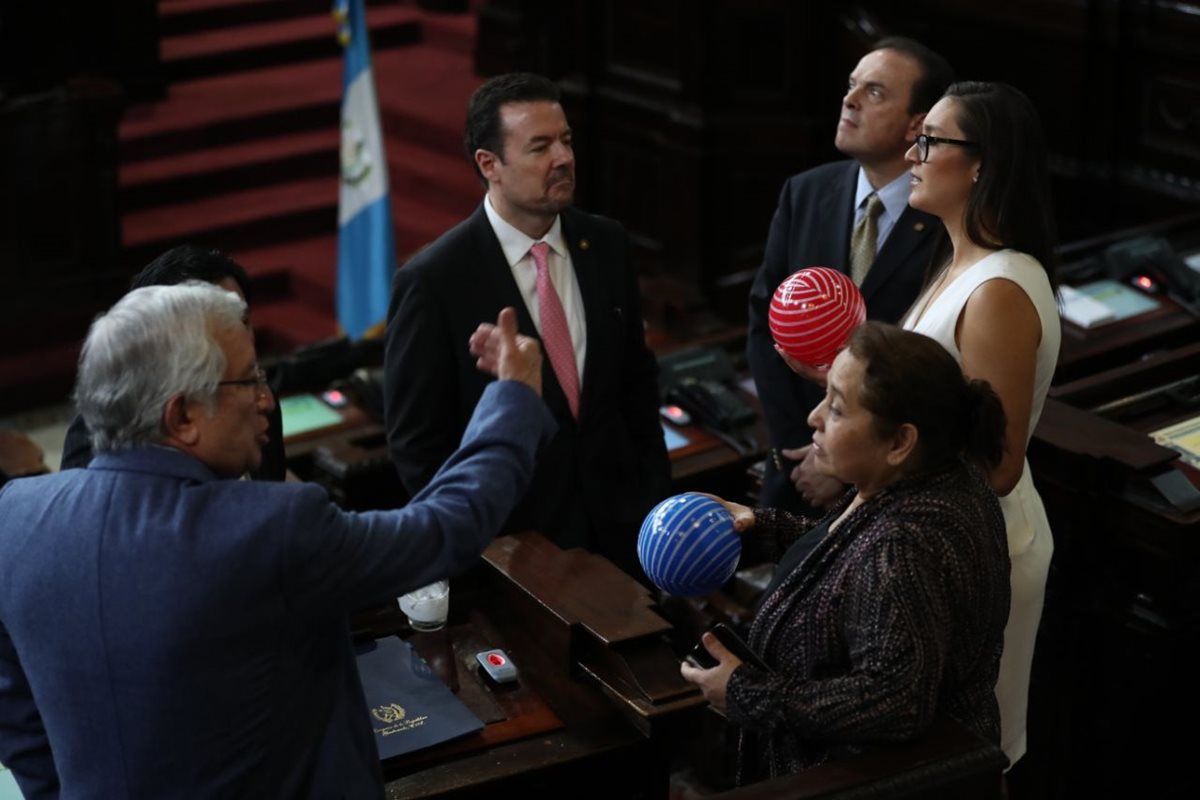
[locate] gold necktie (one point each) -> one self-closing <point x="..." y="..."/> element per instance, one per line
<point x="862" y="240"/>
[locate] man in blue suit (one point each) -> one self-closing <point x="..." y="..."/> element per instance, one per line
<point x="169" y="631"/>
<point x="883" y="109"/>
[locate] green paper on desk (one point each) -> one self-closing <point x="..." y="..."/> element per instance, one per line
<point x="1123" y="301"/>
<point x="306" y="412"/>
<point x="8" y="785"/>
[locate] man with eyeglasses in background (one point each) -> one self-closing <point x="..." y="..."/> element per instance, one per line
<point x="167" y="630"/>
<point x="189" y="262"/>
<point x="852" y="216"/>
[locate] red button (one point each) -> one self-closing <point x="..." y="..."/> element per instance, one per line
<point x="495" y="659"/>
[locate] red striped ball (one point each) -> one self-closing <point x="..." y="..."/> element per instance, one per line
<point x="813" y="313"/>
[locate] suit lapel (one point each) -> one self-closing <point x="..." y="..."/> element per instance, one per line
<point x="910" y="231"/>
<point x="836" y="215"/>
<point x="498" y="287"/>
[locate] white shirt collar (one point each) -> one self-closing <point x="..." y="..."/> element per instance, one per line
<point x="894" y="195"/>
<point x="516" y="244"/>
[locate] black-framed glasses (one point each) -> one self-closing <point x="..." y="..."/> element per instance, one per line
<point x="259" y="381"/>
<point x="924" y="141"/>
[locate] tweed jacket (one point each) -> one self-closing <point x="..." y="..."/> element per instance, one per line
<point x="896" y="616"/>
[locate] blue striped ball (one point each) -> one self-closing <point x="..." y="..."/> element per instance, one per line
<point x="688" y="546"/>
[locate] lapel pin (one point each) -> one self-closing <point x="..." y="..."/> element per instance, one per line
<point x="584" y="244"/>
<point x="920" y="226"/>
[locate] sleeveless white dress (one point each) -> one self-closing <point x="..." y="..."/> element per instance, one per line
<point x="1029" y="541"/>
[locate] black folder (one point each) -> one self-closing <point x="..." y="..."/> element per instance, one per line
<point x="409" y="706"/>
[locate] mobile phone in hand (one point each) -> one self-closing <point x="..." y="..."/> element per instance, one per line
<point x="700" y="657"/>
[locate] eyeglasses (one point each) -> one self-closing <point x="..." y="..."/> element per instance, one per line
<point x="924" y="141"/>
<point x="259" y="381"/>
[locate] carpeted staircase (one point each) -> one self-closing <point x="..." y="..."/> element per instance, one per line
<point x="242" y="155"/>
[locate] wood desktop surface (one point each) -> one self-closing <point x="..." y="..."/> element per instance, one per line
<point x="598" y="685"/>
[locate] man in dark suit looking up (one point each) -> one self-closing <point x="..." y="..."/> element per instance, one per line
<point x="852" y="216"/>
<point x="569" y="276"/>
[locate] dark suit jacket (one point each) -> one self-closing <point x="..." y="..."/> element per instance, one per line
<point x="164" y="633"/>
<point x="811" y="228"/>
<point x="599" y="476"/>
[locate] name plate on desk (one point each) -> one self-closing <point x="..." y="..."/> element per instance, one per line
<point x="409" y="706"/>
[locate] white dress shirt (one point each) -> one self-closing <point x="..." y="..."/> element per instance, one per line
<point x="515" y="245"/>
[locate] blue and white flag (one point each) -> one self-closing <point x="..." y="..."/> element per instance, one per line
<point x="366" y="242"/>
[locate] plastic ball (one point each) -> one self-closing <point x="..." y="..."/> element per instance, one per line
<point x="813" y="313"/>
<point x="688" y="546"/>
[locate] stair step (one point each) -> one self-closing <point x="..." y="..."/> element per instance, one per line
<point x="310" y="264"/>
<point x="454" y="32"/>
<point x="189" y="16"/>
<point x="216" y="170"/>
<point x="438" y="178"/>
<point x="423" y="93"/>
<point x="223" y="110"/>
<point x="281" y="327"/>
<point x="449" y="181"/>
<point x="266" y="216"/>
<point x="247" y="217"/>
<point x="299" y="38"/>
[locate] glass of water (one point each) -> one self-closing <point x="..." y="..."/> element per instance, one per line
<point x="427" y="607"/>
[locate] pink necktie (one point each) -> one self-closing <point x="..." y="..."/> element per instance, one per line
<point x="556" y="336"/>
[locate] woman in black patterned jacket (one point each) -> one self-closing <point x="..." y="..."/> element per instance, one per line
<point x="891" y="609"/>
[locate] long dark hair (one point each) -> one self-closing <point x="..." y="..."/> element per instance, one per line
<point x="1010" y="205"/>
<point x="910" y="378"/>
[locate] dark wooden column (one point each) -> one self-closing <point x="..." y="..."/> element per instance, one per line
<point x="688" y="119"/>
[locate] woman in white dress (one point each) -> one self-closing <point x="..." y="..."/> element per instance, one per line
<point x="980" y="166"/>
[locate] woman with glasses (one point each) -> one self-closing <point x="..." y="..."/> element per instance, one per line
<point x="980" y="166"/>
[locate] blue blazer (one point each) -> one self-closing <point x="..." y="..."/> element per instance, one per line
<point x="165" y="633"/>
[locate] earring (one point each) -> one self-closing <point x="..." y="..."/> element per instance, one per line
<point x="975" y="178"/>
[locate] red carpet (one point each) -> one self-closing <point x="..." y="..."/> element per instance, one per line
<point x="242" y="155"/>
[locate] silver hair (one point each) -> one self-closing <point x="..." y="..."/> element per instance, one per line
<point x="155" y="343"/>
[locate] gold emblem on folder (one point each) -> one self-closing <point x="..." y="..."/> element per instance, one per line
<point x="389" y="714"/>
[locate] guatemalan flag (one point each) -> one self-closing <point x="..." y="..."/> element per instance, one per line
<point x="366" y="243"/>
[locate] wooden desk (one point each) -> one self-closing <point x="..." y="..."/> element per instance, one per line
<point x="600" y="695"/>
<point x="1088" y="351"/>
<point x="1120" y="634"/>
<point x="355" y="449"/>
<point x="947" y="762"/>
